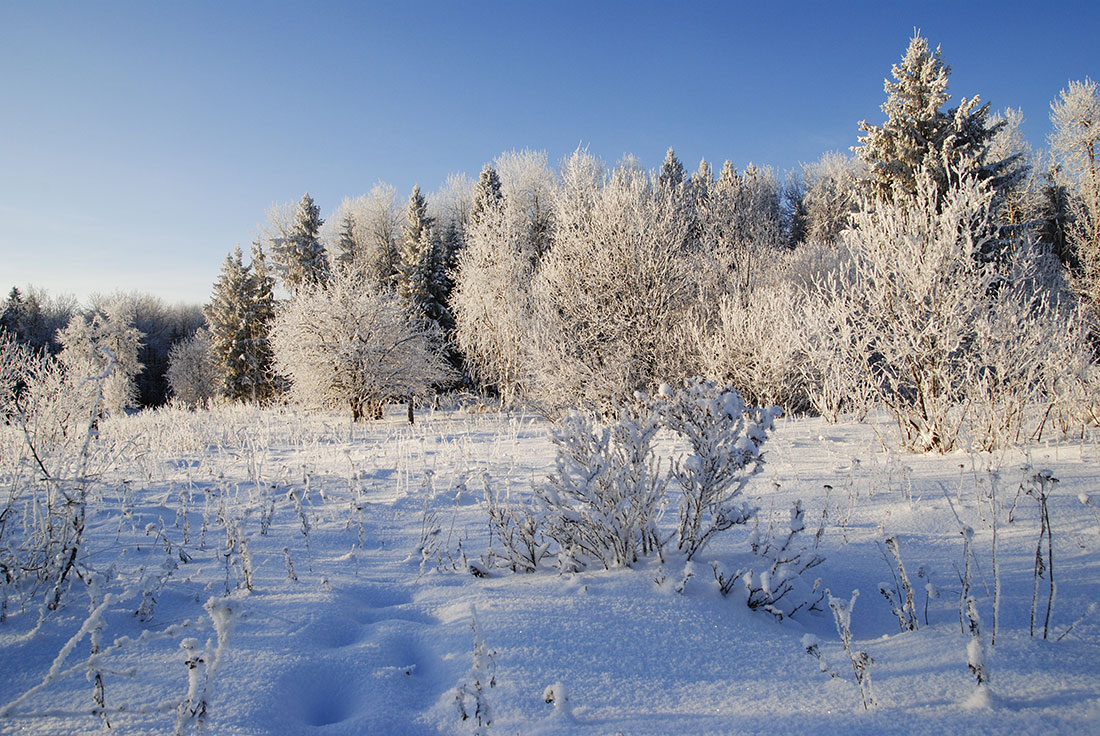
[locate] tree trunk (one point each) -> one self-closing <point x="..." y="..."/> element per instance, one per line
<point x="410" y="403"/>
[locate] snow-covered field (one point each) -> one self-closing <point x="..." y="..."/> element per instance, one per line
<point x="283" y="573"/>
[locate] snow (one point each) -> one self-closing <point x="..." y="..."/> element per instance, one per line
<point x="382" y="628"/>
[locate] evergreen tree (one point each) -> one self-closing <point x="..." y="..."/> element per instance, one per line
<point x="346" y="244"/>
<point x="418" y="248"/>
<point x="230" y="317"/>
<point x="298" y="252"/>
<point x="919" y="135"/>
<point x="487" y="193"/>
<point x="671" y="175"/>
<point x="262" y="320"/>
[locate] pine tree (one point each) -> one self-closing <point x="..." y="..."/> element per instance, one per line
<point x="299" y="254"/>
<point x="264" y="382"/>
<point x="346" y="243"/>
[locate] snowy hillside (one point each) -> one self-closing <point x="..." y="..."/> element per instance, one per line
<point x="254" y="571"/>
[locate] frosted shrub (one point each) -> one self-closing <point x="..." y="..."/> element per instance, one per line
<point x="777" y="582"/>
<point x="518" y="526"/>
<point x="940" y="327"/>
<point x="602" y="502"/>
<point x="757" y="346"/>
<point x="725" y="436"/>
<point x="49" y="457"/>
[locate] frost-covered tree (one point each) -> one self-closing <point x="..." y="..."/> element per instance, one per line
<point x="299" y="256"/>
<point x="348" y="345"/>
<point x="32" y="317"/>
<point x="347" y="244"/>
<point x="613" y="293"/>
<point x="827" y="196"/>
<point x="1075" y="116"/>
<point x="239" y="317"/>
<point x="420" y="256"/>
<point x="528" y="185"/>
<point x="262" y="318"/>
<point x="491" y="299"/>
<point x="161" y="325"/>
<point x="487" y="193"/>
<point x="940" y="336"/>
<point x="920" y="135"/>
<point x="671" y="175"/>
<point x="106" y="344"/>
<point x="193" y="373"/>
<point x="365" y="232"/>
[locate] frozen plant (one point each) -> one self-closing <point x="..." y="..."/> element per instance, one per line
<point x="975" y="649"/>
<point x="725" y="436"/>
<point x="900" y="596"/>
<point x="602" y="502"/>
<point x="518" y="527"/>
<point x="471" y="696"/>
<point x="1038" y="486"/>
<point x="776" y="584"/>
<point x="861" y="661"/>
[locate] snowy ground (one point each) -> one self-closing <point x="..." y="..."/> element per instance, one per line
<point x="380" y="628"/>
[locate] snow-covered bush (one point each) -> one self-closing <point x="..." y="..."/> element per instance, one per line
<point x="756" y="344"/>
<point x="347" y="345"/>
<point x="612" y="296"/>
<point x="49" y="459"/>
<point x="725" y="435"/>
<point x="777" y="581"/>
<point x="192" y="371"/>
<point x="518" y="526"/>
<point x="939" y="326"/>
<point x="602" y="502"/>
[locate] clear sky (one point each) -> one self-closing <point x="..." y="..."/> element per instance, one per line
<point x="141" y="141"/>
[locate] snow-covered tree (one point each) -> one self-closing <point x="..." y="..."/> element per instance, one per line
<point x="528" y="185"/>
<point x="348" y="345"/>
<point x="1075" y="117"/>
<point x="193" y="373"/>
<point x="938" y="333"/>
<point x="262" y="318"/>
<point x="671" y="175"/>
<point x="487" y="193"/>
<point x="32" y="317"/>
<point x="299" y="256"/>
<point x="919" y="135"/>
<point x="106" y="343"/>
<point x="613" y="293"/>
<point x="419" y="255"/>
<point x="491" y="299"/>
<point x="828" y="195"/>
<point x="239" y="317"/>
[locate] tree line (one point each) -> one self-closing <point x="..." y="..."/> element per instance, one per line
<point x="910" y="275"/>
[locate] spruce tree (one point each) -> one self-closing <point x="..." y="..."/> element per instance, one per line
<point x="346" y="244"/>
<point x="415" y="255"/>
<point x="672" y="171"/>
<point x="229" y="316"/>
<point x="487" y="193"/>
<point x="299" y="254"/>
<point x="265" y="383"/>
<point x="920" y="135"/>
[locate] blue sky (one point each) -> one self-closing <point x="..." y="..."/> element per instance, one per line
<point x="140" y="142"/>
